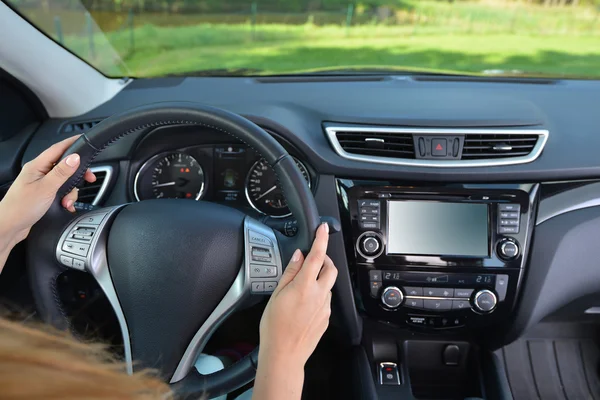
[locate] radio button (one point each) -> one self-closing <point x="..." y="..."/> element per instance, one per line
<point x="508" y="229"/>
<point x="466" y="293"/>
<point x="414" y="303"/>
<point x="438" y="292"/>
<point x="508" y="249"/>
<point x="413" y="291"/>
<point x="369" y="225"/>
<point x="369" y="210"/>
<point x="460" y="304"/>
<point x="509" y="207"/>
<point x="368" y="203"/>
<point x="370" y="245"/>
<point x="509" y="215"/>
<point x="437" y="305"/>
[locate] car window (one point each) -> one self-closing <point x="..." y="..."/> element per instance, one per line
<point x="149" y="38"/>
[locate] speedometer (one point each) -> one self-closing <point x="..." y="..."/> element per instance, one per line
<point x="172" y="176"/>
<point x="263" y="191"/>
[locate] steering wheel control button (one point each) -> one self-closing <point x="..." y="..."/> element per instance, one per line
<point x="94" y="219"/>
<point x="375" y="287"/>
<point x="76" y="248"/>
<point x="414" y="303"/>
<point x="388" y="374"/>
<point x="437" y="305"/>
<point x="485" y="301"/>
<point x="392" y="297"/>
<point x="270" y="287"/>
<point x="508" y="249"/>
<point x="79" y="264"/>
<point x="258" y="287"/>
<point x="463" y="293"/>
<point x="501" y="286"/>
<point x="413" y="291"/>
<point x="262" y="271"/>
<point x="262" y="254"/>
<point x="257" y="238"/>
<point x="461" y="305"/>
<point x="66" y="261"/>
<point x="438" y="147"/>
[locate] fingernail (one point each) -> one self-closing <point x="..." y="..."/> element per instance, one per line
<point x="69" y="204"/>
<point x="326" y="227"/>
<point x="72" y="160"/>
<point x="296" y="255"/>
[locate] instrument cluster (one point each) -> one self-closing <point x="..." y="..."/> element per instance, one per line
<point x="232" y="174"/>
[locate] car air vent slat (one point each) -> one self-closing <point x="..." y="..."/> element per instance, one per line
<point x="485" y="146"/>
<point x="74" y="127"/>
<point x="383" y="144"/>
<point x="92" y="193"/>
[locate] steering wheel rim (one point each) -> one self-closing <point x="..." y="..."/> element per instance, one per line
<point x="44" y="237"/>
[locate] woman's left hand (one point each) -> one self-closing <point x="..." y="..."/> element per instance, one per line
<point x="34" y="190"/>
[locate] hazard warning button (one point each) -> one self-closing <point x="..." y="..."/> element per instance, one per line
<point x="438" y="147"/>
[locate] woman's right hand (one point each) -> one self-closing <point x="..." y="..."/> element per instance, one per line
<point x="294" y="321"/>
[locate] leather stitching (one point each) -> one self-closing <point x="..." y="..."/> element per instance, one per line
<point x="59" y="304"/>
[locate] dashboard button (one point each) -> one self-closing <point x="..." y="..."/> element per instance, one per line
<point x="375" y="275"/>
<point x="438" y="147"/>
<point x="369" y="210"/>
<point x="509" y="207"/>
<point x="438" y="292"/>
<point x="485" y="301"/>
<point x="508" y="229"/>
<point x="466" y="293"/>
<point x="413" y="291"/>
<point x="460" y="304"/>
<point x="369" y="225"/>
<point x="509" y="215"/>
<point x="375" y="286"/>
<point x="501" y="286"/>
<point x="438" y="305"/>
<point x="368" y="203"/>
<point x="392" y="297"/>
<point x="417" y="321"/>
<point x="414" y="303"/>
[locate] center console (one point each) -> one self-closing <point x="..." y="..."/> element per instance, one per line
<point x="438" y="258"/>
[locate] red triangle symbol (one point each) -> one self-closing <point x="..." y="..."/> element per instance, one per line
<point x="439" y="147"/>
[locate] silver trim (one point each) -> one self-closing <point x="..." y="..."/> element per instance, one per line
<point x="96" y="264"/>
<point x="378" y="140"/>
<point x="373" y="256"/>
<point x="571" y="200"/>
<point x="481" y="293"/>
<point x="235" y="297"/>
<point x="437" y="298"/>
<point x="387" y="289"/>
<point x="248" y="179"/>
<point x="332" y="130"/>
<point x="592" y="310"/>
<point x="388" y="364"/>
<point x="146" y="164"/>
<point x="109" y="173"/>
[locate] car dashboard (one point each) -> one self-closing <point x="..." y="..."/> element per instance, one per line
<point x="502" y="173"/>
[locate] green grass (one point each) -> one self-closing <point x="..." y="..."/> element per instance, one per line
<point x="463" y="37"/>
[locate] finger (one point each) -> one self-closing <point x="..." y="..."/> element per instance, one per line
<point x="315" y="258"/>
<point x="328" y="274"/>
<point x="69" y="200"/>
<point x="45" y="161"/>
<point x="89" y="176"/>
<point x="61" y="173"/>
<point x="291" y="270"/>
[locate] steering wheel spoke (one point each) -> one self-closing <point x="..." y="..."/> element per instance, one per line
<point x="83" y="246"/>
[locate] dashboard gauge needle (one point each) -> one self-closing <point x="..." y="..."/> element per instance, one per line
<point x="266" y="193"/>
<point x="165" y="184"/>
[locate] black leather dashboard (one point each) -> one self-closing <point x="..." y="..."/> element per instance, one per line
<point x="296" y="108"/>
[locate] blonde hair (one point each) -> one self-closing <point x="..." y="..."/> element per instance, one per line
<point x="47" y="364"/>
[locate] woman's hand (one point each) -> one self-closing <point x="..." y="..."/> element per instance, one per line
<point x="294" y="321"/>
<point x="34" y="190"/>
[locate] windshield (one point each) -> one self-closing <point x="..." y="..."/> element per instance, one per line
<point x="149" y="38"/>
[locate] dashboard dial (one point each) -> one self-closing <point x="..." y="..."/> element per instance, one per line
<point x="175" y="176"/>
<point x="263" y="191"/>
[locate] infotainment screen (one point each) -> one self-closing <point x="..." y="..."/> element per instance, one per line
<point x="432" y="228"/>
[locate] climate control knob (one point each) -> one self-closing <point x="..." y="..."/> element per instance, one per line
<point x="392" y="297"/>
<point x="485" y="301"/>
<point x="508" y="249"/>
<point x="370" y="245"/>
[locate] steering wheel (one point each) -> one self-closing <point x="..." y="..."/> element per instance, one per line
<point x="172" y="270"/>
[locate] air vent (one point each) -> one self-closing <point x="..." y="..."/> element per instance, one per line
<point x="486" y="147"/>
<point x="470" y="147"/>
<point x="373" y="143"/>
<point x="93" y="193"/>
<point x="74" y="127"/>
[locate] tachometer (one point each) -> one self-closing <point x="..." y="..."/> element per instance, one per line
<point x="263" y="191"/>
<point x="174" y="176"/>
